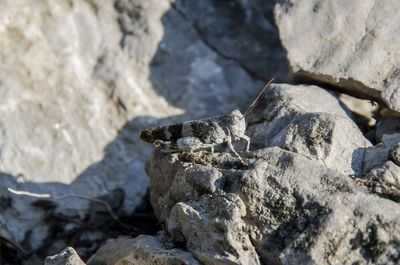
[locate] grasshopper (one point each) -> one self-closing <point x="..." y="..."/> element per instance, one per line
<point x="195" y="135"/>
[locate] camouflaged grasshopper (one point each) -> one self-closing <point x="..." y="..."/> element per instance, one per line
<point x="195" y="135"/>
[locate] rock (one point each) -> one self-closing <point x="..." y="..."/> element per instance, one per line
<point x="387" y="174"/>
<point x="213" y="229"/>
<point x="141" y="250"/>
<point x="376" y="156"/>
<point x="363" y="113"/>
<point x="80" y="82"/>
<point x="395" y="153"/>
<point x="242" y="31"/>
<point x="68" y="89"/>
<point x="294" y="118"/>
<point x="201" y="79"/>
<point x="66" y="257"/>
<point x="381" y="168"/>
<point x="387" y="125"/>
<point x="285" y="207"/>
<point x="349" y="45"/>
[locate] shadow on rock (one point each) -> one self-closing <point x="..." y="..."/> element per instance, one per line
<point x="107" y="200"/>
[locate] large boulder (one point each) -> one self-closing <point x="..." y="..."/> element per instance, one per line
<point x="80" y="79"/>
<point x="283" y="208"/>
<point x="351" y="45"/>
<point x="310" y="121"/>
<point x="301" y="199"/>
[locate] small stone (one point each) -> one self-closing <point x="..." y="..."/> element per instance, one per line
<point x="395" y="153"/>
<point x="68" y="256"/>
<point x="377" y="155"/>
<point x="387" y="125"/>
<point x="144" y="250"/>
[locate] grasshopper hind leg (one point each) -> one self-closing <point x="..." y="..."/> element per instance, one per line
<point x="230" y="146"/>
<point x="247" y="139"/>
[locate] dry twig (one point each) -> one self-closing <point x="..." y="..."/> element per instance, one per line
<point x="82" y="197"/>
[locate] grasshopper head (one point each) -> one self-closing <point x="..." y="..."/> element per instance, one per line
<point x="236" y="124"/>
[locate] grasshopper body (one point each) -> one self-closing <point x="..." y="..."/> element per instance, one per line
<point x="195" y="135"/>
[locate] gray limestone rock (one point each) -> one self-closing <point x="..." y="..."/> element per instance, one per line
<point x="142" y="250"/>
<point x="310" y="121"/>
<point x="68" y="89"/>
<point x="386" y="125"/>
<point x="387" y="174"/>
<point x="67" y="256"/>
<point x="377" y="155"/>
<point x="80" y="82"/>
<point x="394" y="153"/>
<point x="352" y="45"/>
<point x="241" y="31"/>
<point x="285" y="207"/>
<point x="382" y="169"/>
<point x="191" y="74"/>
<point x="212" y="228"/>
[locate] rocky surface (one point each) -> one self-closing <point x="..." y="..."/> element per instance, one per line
<point x="66" y="257"/>
<point x="293" y="206"/>
<point x="350" y="45"/>
<point x="382" y="168"/>
<point x="245" y="31"/>
<point x="377" y="155"/>
<point x="310" y="121"/>
<point x="284" y="208"/>
<point x="141" y="250"/>
<point x="79" y="79"/>
<point x="386" y="125"/>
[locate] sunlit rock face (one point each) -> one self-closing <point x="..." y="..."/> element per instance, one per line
<point x="68" y="89"/>
<point x="353" y="45"/>
<point x="79" y="80"/>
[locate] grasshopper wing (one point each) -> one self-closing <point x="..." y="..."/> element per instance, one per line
<point x="170" y="133"/>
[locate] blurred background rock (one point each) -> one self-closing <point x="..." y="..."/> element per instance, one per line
<point x="79" y="79"/>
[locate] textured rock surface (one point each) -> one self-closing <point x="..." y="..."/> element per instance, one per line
<point x="143" y="250"/>
<point x="377" y="155"/>
<point x="294" y="209"/>
<point x="212" y="228"/>
<point x="387" y="125"/>
<point x="199" y="73"/>
<point x="382" y="168"/>
<point x="66" y="257"/>
<point x="67" y="88"/>
<point x="79" y="79"/>
<point x="310" y="121"/>
<point x="242" y="31"/>
<point x="394" y="153"/>
<point x="292" y="206"/>
<point x="353" y="45"/>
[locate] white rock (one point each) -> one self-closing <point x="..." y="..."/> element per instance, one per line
<point x="310" y="121"/>
<point x="78" y="80"/>
<point x="353" y="45"/>
<point x="377" y="155"/>
<point x="142" y="250"/>
<point x="67" y="88"/>
<point x="66" y="257"/>
<point x="211" y="227"/>
<point x="294" y="209"/>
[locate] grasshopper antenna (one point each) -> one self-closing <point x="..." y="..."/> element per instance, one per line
<point x="255" y="100"/>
